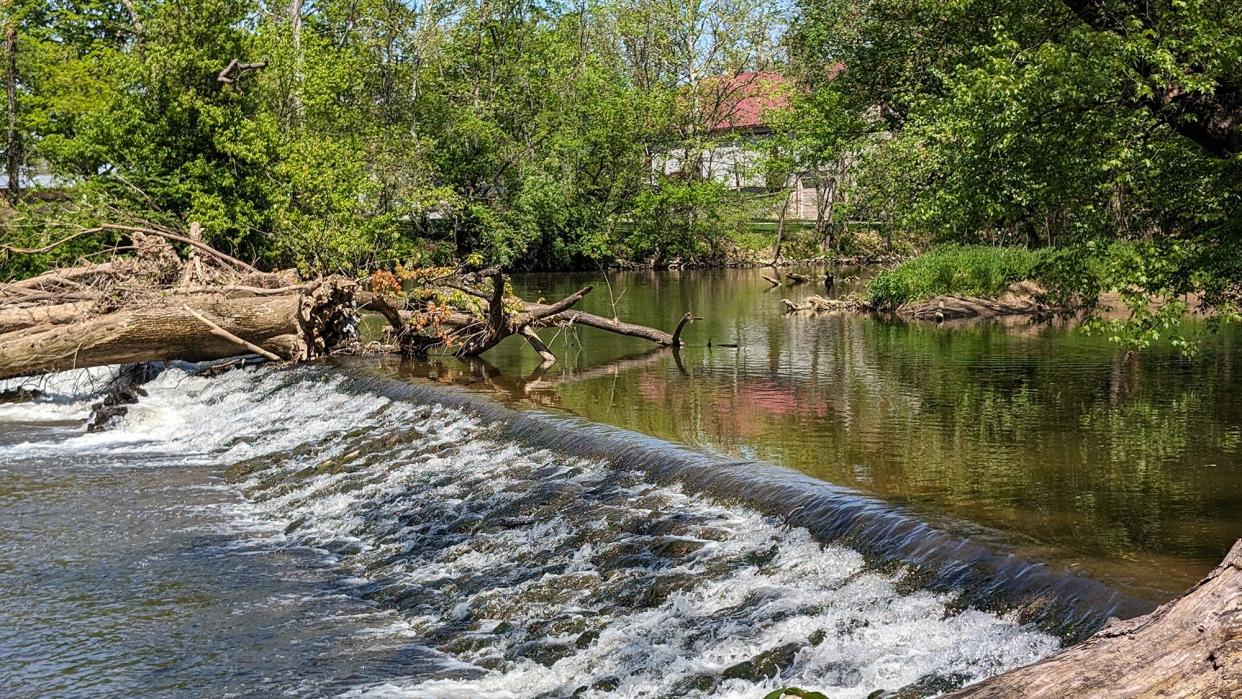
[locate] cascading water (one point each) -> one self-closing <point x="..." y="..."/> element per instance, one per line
<point x="419" y="548"/>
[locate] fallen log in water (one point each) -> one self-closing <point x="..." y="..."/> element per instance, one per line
<point x="816" y="304"/>
<point x="1190" y="647"/>
<point x="157" y="305"/>
<point x="286" y="326"/>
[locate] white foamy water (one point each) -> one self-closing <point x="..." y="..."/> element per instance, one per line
<point x="61" y="396"/>
<point x="527" y="573"/>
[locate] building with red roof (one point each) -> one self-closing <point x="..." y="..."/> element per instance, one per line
<point x="739" y="110"/>
<point x="742" y="103"/>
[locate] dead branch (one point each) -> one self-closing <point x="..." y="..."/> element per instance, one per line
<point x="167" y="235"/>
<point x="221" y="332"/>
<point x="536" y="312"/>
<point x="591" y="320"/>
<point x="236" y="69"/>
<point x="532" y="337"/>
<point x="687" y="318"/>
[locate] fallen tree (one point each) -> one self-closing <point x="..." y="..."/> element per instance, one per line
<point x="1190" y="647"/>
<point x="199" y="304"/>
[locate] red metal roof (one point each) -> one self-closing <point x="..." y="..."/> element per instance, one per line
<point x="744" y="99"/>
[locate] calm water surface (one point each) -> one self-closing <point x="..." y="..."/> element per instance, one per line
<point x="1129" y="469"/>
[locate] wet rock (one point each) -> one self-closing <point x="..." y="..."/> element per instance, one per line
<point x="491" y="662"/>
<point x="767" y="664"/>
<point x="675" y="547"/>
<point x="586" y="639"/>
<point x="661" y="587"/>
<point x="468" y="643"/>
<point x="327" y="467"/>
<point x="20" y="395"/>
<point x="931" y="685"/>
<point x="343" y="547"/>
<point x="695" y="683"/>
<point x="543" y="652"/>
<point x="761" y="558"/>
<point x="559" y="626"/>
<point x="607" y="684"/>
<point x="842" y="674"/>
<point x="295" y="525"/>
<point x="817" y="637"/>
<point x="243" y="469"/>
<point x="122" y="392"/>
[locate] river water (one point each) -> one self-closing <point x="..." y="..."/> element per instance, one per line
<point x="341" y="531"/>
<point x="1053" y="441"/>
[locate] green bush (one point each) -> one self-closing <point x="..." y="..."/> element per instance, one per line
<point x="973" y="270"/>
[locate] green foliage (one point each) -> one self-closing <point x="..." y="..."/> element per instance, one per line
<point x="973" y="270"/>
<point x="794" y="692"/>
<point x="684" y="220"/>
<point x="1012" y="122"/>
<point x="383" y="133"/>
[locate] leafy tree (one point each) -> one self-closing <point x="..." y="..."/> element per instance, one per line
<point x="1014" y="122"/>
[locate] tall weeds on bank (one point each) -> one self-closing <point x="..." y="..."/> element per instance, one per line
<point x="971" y="270"/>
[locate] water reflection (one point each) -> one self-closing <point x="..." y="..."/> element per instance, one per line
<point x="1126" y="468"/>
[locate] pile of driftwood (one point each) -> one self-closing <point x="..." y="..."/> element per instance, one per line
<point x="177" y="298"/>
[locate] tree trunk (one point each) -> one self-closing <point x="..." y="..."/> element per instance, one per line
<point x="12" y="140"/>
<point x="780" y="227"/>
<point x="160" y="332"/>
<point x="1190" y="647"/>
<point x="299" y="60"/>
<point x="300" y="323"/>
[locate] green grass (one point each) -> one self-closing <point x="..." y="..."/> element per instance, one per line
<point x="972" y="270"/>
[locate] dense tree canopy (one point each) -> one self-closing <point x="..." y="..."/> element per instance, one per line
<point x="350" y="134"/>
<point x="1106" y="128"/>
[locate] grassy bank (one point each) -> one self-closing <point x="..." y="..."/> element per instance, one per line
<point x="970" y="270"/>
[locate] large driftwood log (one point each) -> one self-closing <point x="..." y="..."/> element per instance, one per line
<point x="159" y="331"/>
<point x="18" y="318"/>
<point x="1190" y="647"/>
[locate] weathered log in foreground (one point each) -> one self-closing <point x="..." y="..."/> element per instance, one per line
<point x="1190" y="647"/>
<point x="157" y="306"/>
